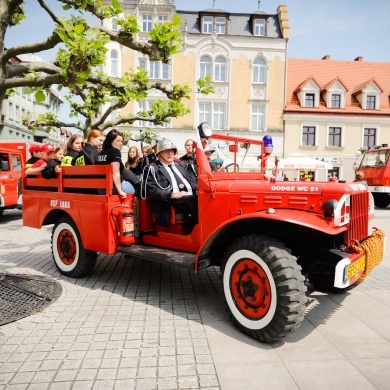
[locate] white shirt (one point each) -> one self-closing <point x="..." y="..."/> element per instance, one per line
<point x="175" y="187"/>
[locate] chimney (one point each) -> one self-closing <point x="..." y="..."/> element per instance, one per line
<point x="327" y="57"/>
<point x="360" y="58"/>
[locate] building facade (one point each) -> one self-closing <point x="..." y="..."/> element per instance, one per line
<point x="335" y="109"/>
<point x="244" y="54"/>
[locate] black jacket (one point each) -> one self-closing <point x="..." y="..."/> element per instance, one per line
<point x="87" y="156"/>
<point x="159" y="189"/>
<point x="49" y="171"/>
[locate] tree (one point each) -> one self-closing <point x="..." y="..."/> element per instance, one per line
<point x="81" y="52"/>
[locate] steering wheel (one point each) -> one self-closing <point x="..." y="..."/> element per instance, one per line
<point x="233" y="166"/>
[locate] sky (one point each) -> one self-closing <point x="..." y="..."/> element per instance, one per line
<point x="343" y="29"/>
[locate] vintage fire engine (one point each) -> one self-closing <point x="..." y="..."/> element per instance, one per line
<point x="265" y="236"/>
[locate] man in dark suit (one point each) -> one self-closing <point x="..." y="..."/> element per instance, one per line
<point x="169" y="184"/>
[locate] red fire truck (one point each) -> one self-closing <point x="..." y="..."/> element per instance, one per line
<point x="376" y="169"/>
<point x="267" y="237"/>
<point x="13" y="157"/>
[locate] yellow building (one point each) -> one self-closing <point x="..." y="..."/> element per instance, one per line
<point x="245" y="55"/>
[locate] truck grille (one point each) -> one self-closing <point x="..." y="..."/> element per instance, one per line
<point x="358" y="225"/>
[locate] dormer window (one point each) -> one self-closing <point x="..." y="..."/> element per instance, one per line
<point x="309" y="100"/>
<point x="335" y="100"/>
<point x="212" y="23"/>
<point x="370" y="102"/>
<point x="259" y="27"/>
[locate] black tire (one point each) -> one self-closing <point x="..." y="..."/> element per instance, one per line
<point x="264" y="288"/>
<point x="381" y="200"/>
<point x="70" y="257"/>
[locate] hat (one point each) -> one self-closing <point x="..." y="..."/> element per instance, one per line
<point x="209" y="148"/>
<point x="218" y="161"/>
<point x="35" y="148"/>
<point x="47" y="148"/>
<point x="165" y="144"/>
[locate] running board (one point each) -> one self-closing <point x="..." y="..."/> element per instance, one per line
<point x="159" y="255"/>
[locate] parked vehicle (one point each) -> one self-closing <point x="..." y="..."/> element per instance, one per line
<point x="265" y="236"/>
<point x="375" y="165"/>
<point x="13" y="157"/>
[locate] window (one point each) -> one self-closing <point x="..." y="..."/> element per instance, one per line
<point x="114" y="26"/>
<point x="145" y="105"/>
<point x="114" y="63"/>
<point x="214" y="111"/>
<point x="210" y="23"/>
<point x="156" y="70"/>
<point x="162" y="18"/>
<point x="17" y="113"/>
<point x="334" y="136"/>
<point x="205" y="67"/>
<point x="11" y="111"/>
<point x="335" y="101"/>
<point x="259" y="71"/>
<point x="259" y="29"/>
<point x="220" y="69"/>
<point x="219" y="116"/>
<point x="369" y="138"/>
<point x="220" y="23"/>
<point x="204" y="112"/>
<point x="370" y="102"/>
<point x="309" y="100"/>
<point x="17" y="163"/>
<point x="207" y="27"/>
<point x="308" y="136"/>
<point x="257" y="117"/>
<point x="146" y="23"/>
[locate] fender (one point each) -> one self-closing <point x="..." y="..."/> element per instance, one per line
<point x="297" y="217"/>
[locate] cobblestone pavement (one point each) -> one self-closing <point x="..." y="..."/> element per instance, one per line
<point x="141" y="325"/>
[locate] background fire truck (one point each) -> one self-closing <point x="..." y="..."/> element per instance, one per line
<point x="267" y="237"/>
<point x="375" y="167"/>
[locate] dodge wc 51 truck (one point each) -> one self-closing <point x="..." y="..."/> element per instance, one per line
<point x="267" y="237"/>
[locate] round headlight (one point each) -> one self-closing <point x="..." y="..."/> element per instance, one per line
<point x="330" y="207"/>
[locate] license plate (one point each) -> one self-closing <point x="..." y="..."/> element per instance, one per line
<point x="354" y="268"/>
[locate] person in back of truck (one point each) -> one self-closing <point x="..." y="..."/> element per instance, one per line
<point x="111" y="154"/>
<point x="73" y="148"/>
<point x="37" y="168"/>
<point x="35" y="151"/>
<point x="54" y="164"/>
<point x="90" y="152"/>
<point x="359" y="178"/>
<point x="168" y="184"/>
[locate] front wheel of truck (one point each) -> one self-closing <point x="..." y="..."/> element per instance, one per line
<point x="70" y="256"/>
<point x="264" y="288"/>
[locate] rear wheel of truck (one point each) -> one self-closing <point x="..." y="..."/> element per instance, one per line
<point x="264" y="288"/>
<point x="381" y="200"/>
<point x="70" y="257"/>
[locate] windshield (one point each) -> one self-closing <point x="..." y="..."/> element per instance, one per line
<point x="375" y="158"/>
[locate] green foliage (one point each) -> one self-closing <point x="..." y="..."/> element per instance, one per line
<point x="167" y="36"/>
<point x="204" y="86"/>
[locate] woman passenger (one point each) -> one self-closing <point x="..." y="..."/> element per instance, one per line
<point x="133" y="163"/>
<point x="73" y="148"/>
<point x="111" y="154"/>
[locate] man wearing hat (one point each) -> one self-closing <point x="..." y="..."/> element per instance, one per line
<point x="168" y="184"/>
<point x="208" y="151"/>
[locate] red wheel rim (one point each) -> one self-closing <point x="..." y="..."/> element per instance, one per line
<point x="66" y="247"/>
<point x="250" y="289"/>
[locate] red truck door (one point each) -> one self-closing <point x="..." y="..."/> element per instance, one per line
<point x="10" y="178"/>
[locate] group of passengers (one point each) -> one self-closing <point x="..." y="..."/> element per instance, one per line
<point x="167" y="179"/>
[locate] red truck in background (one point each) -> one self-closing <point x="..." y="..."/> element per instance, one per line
<point x="13" y="157"/>
<point x="267" y="237"/>
<point x="375" y="165"/>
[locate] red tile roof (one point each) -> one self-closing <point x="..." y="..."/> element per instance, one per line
<point x="355" y="76"/>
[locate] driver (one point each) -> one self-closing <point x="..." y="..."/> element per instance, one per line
<point x="169" y="184"/>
